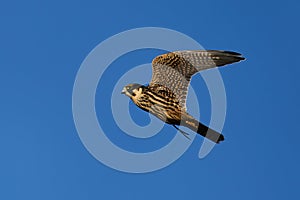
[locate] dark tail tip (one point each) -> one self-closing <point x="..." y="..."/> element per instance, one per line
<point x="214" y="136"/>
<point x="220" y="139"/>
<point x="203" y="130"/>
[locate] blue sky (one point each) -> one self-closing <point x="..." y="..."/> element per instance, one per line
<point x="42" y="48"/>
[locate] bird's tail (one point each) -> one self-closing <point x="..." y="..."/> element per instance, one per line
<point x="201" y="129"/>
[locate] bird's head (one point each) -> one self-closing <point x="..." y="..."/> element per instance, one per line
<point x="132" y="90"/>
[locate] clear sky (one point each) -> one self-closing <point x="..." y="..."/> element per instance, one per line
<point x="42" y="47"/>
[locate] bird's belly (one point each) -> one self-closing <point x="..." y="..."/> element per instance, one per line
<point x="162" y="112"/>
<point x="165" y="115"/>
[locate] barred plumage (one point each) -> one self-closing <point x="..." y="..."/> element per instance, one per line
<point x="165" y="97"/>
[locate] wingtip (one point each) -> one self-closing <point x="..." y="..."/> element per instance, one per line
<point x="235" y="54"/>
<point x="232" y="53"/>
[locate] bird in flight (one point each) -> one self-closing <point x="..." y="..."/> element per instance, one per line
<point x="165" y="96"/>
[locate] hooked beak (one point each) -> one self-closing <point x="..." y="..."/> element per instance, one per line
<point x="123" y="91"/>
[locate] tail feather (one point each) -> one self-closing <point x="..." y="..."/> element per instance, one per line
<point x="203" y="130"/>
<point x="209" y="133"/>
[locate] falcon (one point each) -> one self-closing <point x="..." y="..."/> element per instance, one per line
<point x="165" y="96"/>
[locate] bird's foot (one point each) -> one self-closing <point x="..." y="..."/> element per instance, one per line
<point x="185" y="134"/>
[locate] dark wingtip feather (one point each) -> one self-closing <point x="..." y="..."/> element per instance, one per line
<point x="234" y="54"/>
<point x="221" y="57"/>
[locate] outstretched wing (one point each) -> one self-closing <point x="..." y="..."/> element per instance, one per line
<point x="173" y="71"/>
